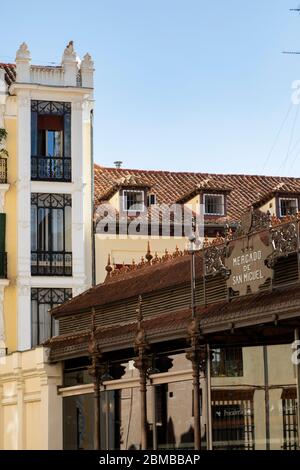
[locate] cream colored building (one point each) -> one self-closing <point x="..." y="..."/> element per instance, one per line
<point x="47" y="113"/>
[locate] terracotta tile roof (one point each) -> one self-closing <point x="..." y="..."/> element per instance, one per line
<point x="10" y="72"/>
<point x="244" y="311"/>
<point x="141" y="281"/>
<point x="170" y="187"/>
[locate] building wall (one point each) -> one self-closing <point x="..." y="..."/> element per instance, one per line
<point x="10" y="208"/>
<point x="125" y="249"/>
<point x="30" y="408"/>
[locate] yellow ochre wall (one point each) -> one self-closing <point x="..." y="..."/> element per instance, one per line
<point x="10" y="208"/>
<point x="125" y="249"/>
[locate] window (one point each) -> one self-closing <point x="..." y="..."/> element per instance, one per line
<point x="133" y="201"/>
<point x="51" y="240"/>
<point x="288" y="206"/>
<point x="227" y="362"/>
<point x="43" y="324"/>
<point x="50" y="141"/>
<point x="151" y="199"/>
<point x="289" y="416"/>
<point x="213" y="204"/>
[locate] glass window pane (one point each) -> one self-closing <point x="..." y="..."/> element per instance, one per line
<point x="68" y="228"/>
<point x="57" y="230"/>
<point x="78" y="422"/>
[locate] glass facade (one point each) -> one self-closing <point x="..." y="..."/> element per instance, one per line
<point x="255" y="410"/>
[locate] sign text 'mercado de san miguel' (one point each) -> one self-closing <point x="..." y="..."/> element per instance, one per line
<point x="246" y="261"/>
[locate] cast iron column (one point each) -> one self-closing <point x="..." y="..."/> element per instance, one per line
<point x="96" y="371"/>
<point x="194" y="355"/>
<point x="298" y="384"/>
<point x="142" y="363"/>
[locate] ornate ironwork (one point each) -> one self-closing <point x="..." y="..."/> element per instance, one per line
<point x="96" y="370"/>
<point x="284" y="239"/>
<point x="214" y="258"/>
<point x="253" y="220"/>
<point x="50" y="168"/>
<point x="58" y="108"/>
<point x="3" y="170"/>
<point x="142" y="362"/>
<point x="51" y="263"/>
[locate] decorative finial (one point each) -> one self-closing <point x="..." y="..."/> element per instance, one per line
<point x="87" y="62"/>
<point x="148" y="254"/>
<point x="69" y="54"/>
<point x="108" y="267"/>
<point x="23" y="52"/>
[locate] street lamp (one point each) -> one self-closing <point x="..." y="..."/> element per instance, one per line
<point x="194" y="351"/>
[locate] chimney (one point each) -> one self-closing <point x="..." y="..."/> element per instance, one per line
<point x="118" y="163"/>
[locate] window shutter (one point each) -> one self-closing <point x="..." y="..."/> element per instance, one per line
<point x="2" y="232"/>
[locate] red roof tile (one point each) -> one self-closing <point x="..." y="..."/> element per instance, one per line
<point x="170" y="187"/>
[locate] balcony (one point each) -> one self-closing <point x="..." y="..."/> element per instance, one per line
<point x="3" y="265"/>
<point x="51" y="263"/>
<point x="3" y="170"/>
<point x="51" y="169"/>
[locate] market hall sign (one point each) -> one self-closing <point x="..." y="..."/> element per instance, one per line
<point x="246" y="264"/>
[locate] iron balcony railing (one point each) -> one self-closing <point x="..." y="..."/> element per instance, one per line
<point x="3" y="265"/>
<point x="51" y="168"/>
<point x="3" y="170"/>
<point x="51" y="263"/>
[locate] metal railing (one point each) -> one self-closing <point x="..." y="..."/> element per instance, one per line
<point x="3" y="170"/>
<point x="3" y="265"/>
<point x="51" y="263"/>
<point x="51" y="168"/>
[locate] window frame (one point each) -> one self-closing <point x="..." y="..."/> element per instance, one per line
<point x="36" y="295"/>
<point x="222" y="196"/>
<point x="287" y="199"/>
<point x="53" y="262"/>
<point x="124" y="200"/>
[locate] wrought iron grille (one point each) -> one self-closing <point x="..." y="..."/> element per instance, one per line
<point x="233" y="421"/>
<point x="51" y="235"/>
<point x="51" y="168"/>
<point x="43" y="324"/>
<point x="227" y="362"/>
<point x="50" y="107"/>
<point x="3" y="170"/>
<point x="289" y="416"/>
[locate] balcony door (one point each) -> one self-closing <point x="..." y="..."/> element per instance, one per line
<point x="51" y="240"/>
<point x="50" y="141"/>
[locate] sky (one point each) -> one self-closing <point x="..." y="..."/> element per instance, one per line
<point x="181" y="85"/>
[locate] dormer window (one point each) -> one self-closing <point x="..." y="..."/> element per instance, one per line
<point x="151" y="199"/>
<point x="133" y="200"/>
<point x="288" y="206"/>
<point x="213" y="204"/>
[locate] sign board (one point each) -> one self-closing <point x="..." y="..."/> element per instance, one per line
<point x="246" y="262"/>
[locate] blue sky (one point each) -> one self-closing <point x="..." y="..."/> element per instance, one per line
<point x="186" y="85"/>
